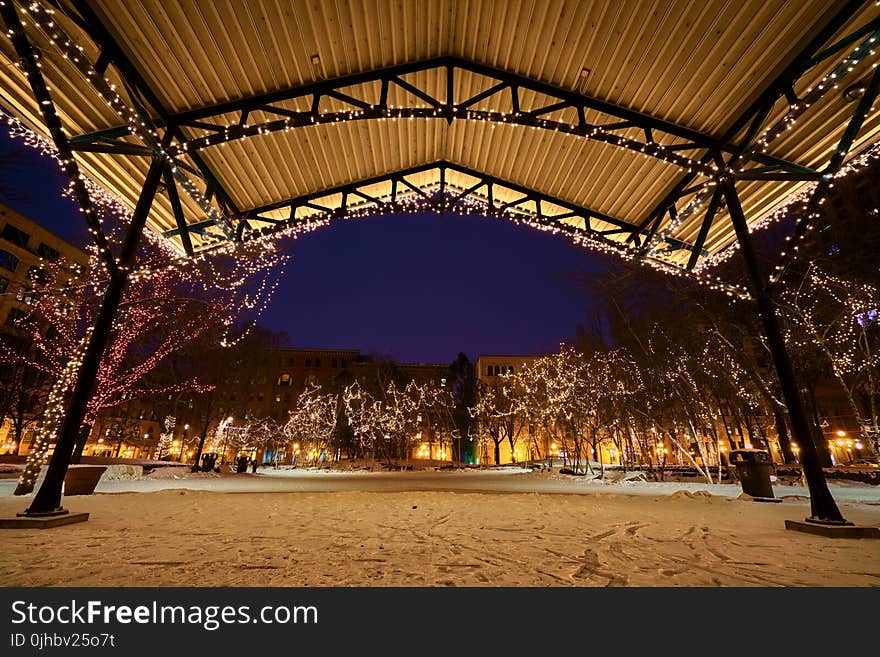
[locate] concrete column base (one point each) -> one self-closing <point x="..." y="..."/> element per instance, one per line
<point x="832" y="531"/>
<point x="42" y="522"/>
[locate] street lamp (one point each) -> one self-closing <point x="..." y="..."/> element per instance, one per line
<point x="182" y="443"/>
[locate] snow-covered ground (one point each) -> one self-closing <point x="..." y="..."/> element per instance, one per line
<point x="494" y="480"/>
<point x="434" y="529"/>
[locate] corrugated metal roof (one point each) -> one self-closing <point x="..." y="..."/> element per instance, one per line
<point x="695" y="63"/>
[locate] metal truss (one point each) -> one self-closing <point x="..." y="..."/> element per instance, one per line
<point x="498" y="83"/>
<point x="697" y="153"/>
<point x="746" y="160"/>
<point x="214" y="199"/>
<point x="441" y="196"/>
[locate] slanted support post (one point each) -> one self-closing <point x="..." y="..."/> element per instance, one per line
<point x="47" y="501"/>
<point x="823" y="507"/>
<point x="28" y="63"/>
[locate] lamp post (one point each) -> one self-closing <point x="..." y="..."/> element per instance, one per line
<point x="182" y="443"/>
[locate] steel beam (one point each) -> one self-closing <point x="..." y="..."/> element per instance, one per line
<point x="823" y="507"/>
<point x="757" y="111"/>
<point x="177" y="209"/>
<point x="816" y="198"/>
<point x="92" y="25"/>
<point x="445" y="108"/>
<point x="399" y="180"/>
<point x="714" y="204"/>
<point x="47" y="501"/>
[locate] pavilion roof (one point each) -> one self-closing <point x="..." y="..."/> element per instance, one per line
<point x="603" y="113"/>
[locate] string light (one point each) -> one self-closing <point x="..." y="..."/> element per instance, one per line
<point x="137" y="124"/>
<point x="794" y="205"/>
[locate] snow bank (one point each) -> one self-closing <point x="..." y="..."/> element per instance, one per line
<point x="179" y="472"/>
<point x="123" y="472"/>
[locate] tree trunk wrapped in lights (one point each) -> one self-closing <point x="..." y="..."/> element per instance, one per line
<point x="162" y="310"/>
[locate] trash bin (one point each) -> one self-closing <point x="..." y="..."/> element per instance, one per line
<point x="753" y="468"/>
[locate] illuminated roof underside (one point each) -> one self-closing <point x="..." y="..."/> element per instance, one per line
<point x="609" y="117"/>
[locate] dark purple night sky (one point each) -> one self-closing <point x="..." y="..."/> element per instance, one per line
<point x="418" y="288"/>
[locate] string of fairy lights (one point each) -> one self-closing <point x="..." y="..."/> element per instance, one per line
<point x="433" y="198"/>
<point x="232" y="133"/>
<point x="138" y="124"/>
<point x="578" y="397"/>
<point x="145" y="308"/>
<point x="811" y="306"/>
<point x="795" y="205"/>
<point x="43" y="18"/>
<point x="233" y="279"/>
<point x="787" y="122"/>
<point x="838" y="318"/>
<point x="53" y="415"/>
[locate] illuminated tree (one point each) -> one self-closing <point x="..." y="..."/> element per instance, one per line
<point x="835" y="321"/>
<point x="166" y="438"/>
<point x="264" y="433"/>
<point x="312" y="422"/>
<point x="166" y="306"/>
<point x="386" y="422"/>
<point x="501" y="414"/>
<point x="435" y="403"/>
<point x="363" y="411"/>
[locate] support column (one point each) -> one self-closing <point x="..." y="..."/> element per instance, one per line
<point x="47" y="501"/>
<point x="824" y="508"/>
